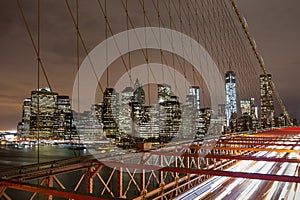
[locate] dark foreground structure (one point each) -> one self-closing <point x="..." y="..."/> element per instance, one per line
<point x="164" y="173"/>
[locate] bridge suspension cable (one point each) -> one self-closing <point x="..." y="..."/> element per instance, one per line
<point x="35" y="46"/>
<point x="260" y="61"/>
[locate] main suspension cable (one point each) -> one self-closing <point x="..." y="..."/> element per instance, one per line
<point x="260" y="61"/>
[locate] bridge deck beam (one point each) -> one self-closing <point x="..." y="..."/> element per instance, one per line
<point x="48" y="191"/>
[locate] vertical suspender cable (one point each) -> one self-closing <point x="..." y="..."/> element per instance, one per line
<point x="33" y="43"/>
<point x="159" y="40"/>
<point x="109" y="29"/>
<point x="106" y="48"/>
<point x="77" y="54"/>
<point x="83" y="45"/>
<point x="190" y="34"/>
<point x="146" y="51"/>
<point x="38" y="85"/>
<point x="172" y="43"/>
<point x="36" y="47"/>
<point x="77" y="60"/>
<point x="182" y="45"/>
<point x="128" y="41"/>
<point x="38" y="79"/>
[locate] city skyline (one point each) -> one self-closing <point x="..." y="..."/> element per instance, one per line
<point x="141" y="99"/>
<point x="125" y="114"/>
<point x="17" y="55"/>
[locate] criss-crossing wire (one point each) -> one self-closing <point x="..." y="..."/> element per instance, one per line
<point x="182" y="28"/>
<point x="210" y="33"/>
<point x="144" y="51"/>
<point x="113" y="37"/>
<point x="243" y="54"/>
<point x="210" y="23"/>
<point x="260" y="61"/>
<point x="83" y="44"/>
<point x="162" y="55"/>
<point x="34" y="45"/>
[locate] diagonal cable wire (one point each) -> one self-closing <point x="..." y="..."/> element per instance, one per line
<point x="83" y="44"/>
<point x="33" y="43"/>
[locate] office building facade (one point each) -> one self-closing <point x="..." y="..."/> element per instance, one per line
<point x="230" y="86"/>
<point x="267" y="102"/>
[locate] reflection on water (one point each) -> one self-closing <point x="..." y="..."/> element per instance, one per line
<point x="11" y="156"/>
<point x="14" y="156"/>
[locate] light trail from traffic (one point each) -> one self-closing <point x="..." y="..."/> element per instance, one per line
<point x="240" y="188"/>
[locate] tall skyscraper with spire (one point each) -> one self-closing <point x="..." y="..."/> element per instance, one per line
<point x="137" y="108"/>
<point x="139" y="93"/>
<point x="230" y="86"/>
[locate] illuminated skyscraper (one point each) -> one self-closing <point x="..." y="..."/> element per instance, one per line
<point x="95" y="125"/>
<point x="253" y="109"/>
<point x="191" y="114"/>
<point x="139" y="93"/>
<point x="137" y="108"/>
<point x="110" y="113"/>
<point x="170" y="117"/>
<point x="64" y="116"/>
<point x="97" y="111"/>
<point x="249" y="112"/>
<point x="125" y="121"/>
<point x="47" y="115"/>
<point x="267" y="103"/>
<point x="195" y="91"/>
<point x="245" y="107"/>
<point x="189" y="117"/>
<point x="149" y="123"/>
<point x="231" y="106"/>
<point x="205" y="116"/>
<point x="44" y="112"/>
<point x="89" y="124"/>
<point x="26" y="109"/>
<point x="169" y="112"/>
<point x="85" y="124"/>
<point x="26" y="118"/>
<point x="163" y="92"/>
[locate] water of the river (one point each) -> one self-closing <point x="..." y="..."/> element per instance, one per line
<point x="14" y="156"/>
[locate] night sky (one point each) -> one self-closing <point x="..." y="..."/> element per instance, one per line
<point x="274" y="24"/>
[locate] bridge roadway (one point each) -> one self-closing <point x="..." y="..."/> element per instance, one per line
<point x="263" y="162"/>
<point x="240" y="188"/>
<point x="240" y="167"/>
